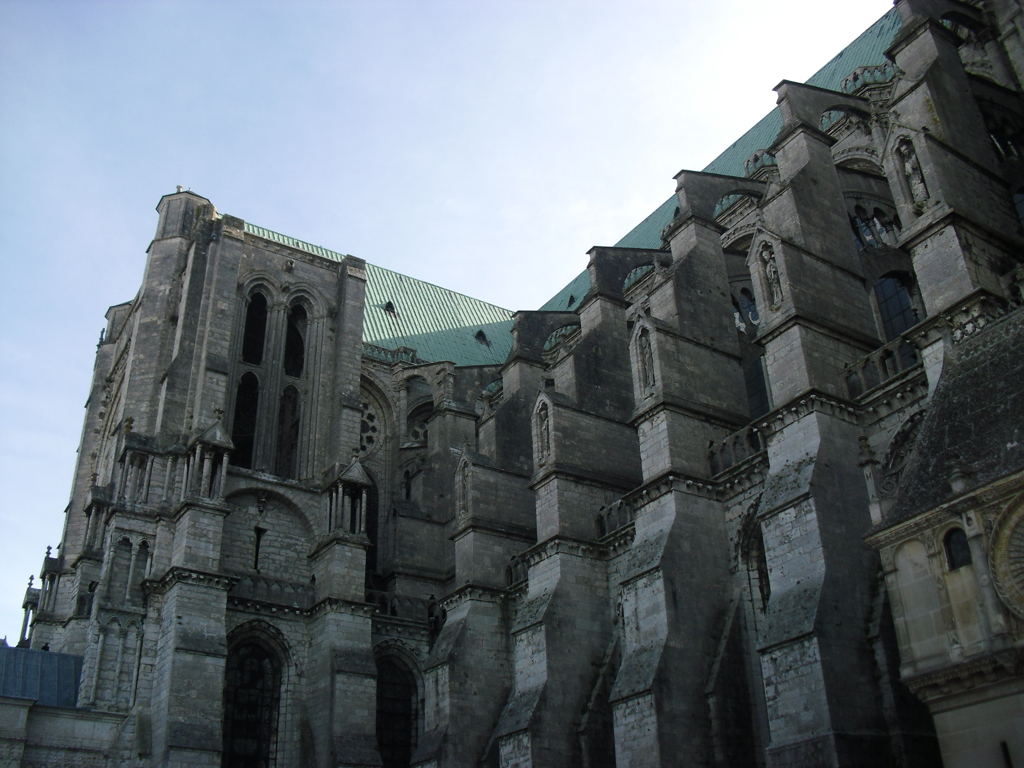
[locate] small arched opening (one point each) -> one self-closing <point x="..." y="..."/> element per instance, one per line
<point x="958" y="551"/>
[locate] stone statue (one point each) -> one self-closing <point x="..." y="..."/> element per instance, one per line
<point x="771" y="272"/>
<point x="912" y="171"/>
<point x="646" y="360"/>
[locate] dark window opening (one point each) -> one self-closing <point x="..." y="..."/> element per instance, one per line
<point x="288" y="434"/>
<point x="255" y="329"/>
<point x="572" y="300"/>
<point x="243" y="432"/>
<point x="958" y="551"/>
<point x="390" y="310"/>
<point x="252" y="694"/>
<point x="295" y="342"/>
<point x="406" y="485"/>
<point x="757" y="389"/>
<point x="256" y="549"/>
<point x="396" y="711"/>
<point x="1018" y="204"/>
<point x="371" y="533"/>
<point x="481" y="337"/>
<point x="898" y="315"/>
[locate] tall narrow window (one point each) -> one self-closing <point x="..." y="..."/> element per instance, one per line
<point x="252" y="695"/>
<point x="255" y="329"/>
<point x="243" y="430"/>
<point x="372" y="530"/>
<point x="288" y="434"/>
<point x="295" y="342"/>
<point x="757" y="390"/>
<point x="396" y="724"/>
<point x="894" y="305"/>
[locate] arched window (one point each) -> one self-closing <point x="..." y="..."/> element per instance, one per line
<point x="898" y="315"/>
<point x="252" y="694"/>
<point x="396" y="713"/>
<point x="288" y="434"/>
<point x="255" y="329"/>
<point x="958" y="551"/>
<point x="295" y="342"/>
<point x="417" y="425"/>
<point x="243" y="430"/>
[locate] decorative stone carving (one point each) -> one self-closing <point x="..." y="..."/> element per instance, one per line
<point x="1006" y="556"/>
<point x="543" y="433"/>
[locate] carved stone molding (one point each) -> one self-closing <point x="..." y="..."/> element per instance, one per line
<point x="969" y="675"/>
<point x="1006" y="557"/>
<point x="812" y="402"/>
<point x="178" y="575"/>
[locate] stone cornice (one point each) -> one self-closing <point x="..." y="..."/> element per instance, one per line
<point x="979" y="499"/>
<point x="338" y="605"/>
<point x="988" y="670"/>
<point x="473" y="592"/>
<point x="406" y="629"/>
<point x="563" y="545"/>
<point x="811" y="401"/>
<point x="176" y="574"/>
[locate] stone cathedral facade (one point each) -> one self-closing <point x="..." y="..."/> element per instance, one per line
<point x="748" y="492"/>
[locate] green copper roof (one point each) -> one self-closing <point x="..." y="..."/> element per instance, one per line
<point x="439" y="324"/>
<point x="868" y="49"/>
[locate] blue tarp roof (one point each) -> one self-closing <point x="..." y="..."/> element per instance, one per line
<point x="48" y="678"/>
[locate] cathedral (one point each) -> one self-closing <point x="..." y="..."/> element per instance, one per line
<point x="749" y="491"/>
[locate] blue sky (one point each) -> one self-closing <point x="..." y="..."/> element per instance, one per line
<point x="484" y="146"/>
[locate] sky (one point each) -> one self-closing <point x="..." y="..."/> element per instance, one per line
<point x="483" y="146"/>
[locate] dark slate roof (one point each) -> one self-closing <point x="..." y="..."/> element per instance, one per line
<point x="48" y="678"/>
<point x="868" y="49"/>
<point x="975" y="422"/>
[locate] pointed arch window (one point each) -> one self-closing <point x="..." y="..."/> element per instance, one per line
<point x="243" y="429"/>
<point x="295" y="342"/>
<point x="396" y="713"/>
<point x="255" y="329"/>
<point x="252" y="695"/>
<point x="288" y="434"/>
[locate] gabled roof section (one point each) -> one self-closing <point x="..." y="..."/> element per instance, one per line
<point x="401" y="311"/>
<point x="868" y="49"/>
<point x="439" y="324"/>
